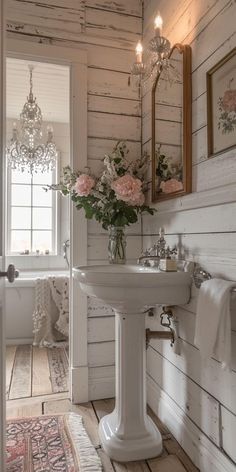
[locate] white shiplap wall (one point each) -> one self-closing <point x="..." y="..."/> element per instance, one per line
<point x="197" y="402"/>
<point x="108" y="31"/>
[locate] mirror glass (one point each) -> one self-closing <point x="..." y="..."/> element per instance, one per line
<point x="171" y="128"/>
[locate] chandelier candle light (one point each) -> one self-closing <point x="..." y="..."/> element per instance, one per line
<point x="29" y="153"/>
<point x="158" y="55"/>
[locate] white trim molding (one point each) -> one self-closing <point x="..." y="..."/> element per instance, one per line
<point x="204" y="454"/>
<point x="2" y="248"/>
<point x="76" y="59"/>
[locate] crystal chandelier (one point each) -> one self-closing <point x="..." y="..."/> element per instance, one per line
<point x="26" y="151"/>
<point x="158" y="52"/>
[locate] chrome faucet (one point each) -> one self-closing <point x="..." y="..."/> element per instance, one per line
<point x="151" y="257"/>
<point x="65" y="247"/>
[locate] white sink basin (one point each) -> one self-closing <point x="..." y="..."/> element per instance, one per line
<point x="132" y="287"/>
<point x="128" y="433"/>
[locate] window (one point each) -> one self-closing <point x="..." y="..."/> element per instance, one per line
<point x="31" y="213"/>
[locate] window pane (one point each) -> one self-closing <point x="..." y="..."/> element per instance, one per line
<point x="41" y="197"/>
<point x="42" y="218"/>
<point x="19" y="177"/>
<point x="21" y="195"/>
<point x="20" y="218"/>
<point x="20" y="241"/>
<point x="44" y="178"/>
<point x="42" y="240"/>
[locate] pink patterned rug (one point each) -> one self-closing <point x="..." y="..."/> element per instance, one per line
<point x="50" y="443"/>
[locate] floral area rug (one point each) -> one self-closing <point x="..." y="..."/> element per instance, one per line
<point x="50" y="443"/>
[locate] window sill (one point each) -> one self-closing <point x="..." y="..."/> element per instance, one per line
<point x="42" y="262"/>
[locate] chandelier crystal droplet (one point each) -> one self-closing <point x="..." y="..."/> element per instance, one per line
<point x="26" y="151"/>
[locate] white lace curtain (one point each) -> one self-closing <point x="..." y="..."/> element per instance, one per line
<point x="51" y="313"/>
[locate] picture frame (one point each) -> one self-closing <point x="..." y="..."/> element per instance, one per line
<point x="221" y="105"/>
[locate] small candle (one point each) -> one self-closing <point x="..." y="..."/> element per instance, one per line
<point x="139" y="51"/>
<point x="158" y="22"/>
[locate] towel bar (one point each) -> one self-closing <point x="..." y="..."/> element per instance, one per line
<point x="200" y="275"/>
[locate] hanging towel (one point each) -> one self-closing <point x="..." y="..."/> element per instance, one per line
<point x="213" y="321"/>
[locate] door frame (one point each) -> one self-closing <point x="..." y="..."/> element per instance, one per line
<point x="76" y="59"/>
<point x="2" y="249"/>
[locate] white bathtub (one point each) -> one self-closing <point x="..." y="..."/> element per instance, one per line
<point x="20" y="306"/>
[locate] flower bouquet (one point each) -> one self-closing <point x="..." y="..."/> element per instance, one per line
<point x="115" y="198"/>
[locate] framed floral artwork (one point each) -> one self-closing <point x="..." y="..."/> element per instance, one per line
<point x="221" y="105"/>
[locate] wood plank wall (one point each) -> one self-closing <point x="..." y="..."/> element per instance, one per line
<point x="108" y="31"/>
<point x="203" y="226"/>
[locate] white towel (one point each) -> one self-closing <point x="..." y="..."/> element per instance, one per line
<point x="213" y="321"/>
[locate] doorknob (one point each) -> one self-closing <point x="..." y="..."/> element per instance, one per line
<point x="11" y="274"/>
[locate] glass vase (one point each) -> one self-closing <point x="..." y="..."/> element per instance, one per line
<point x="117" y="245"/>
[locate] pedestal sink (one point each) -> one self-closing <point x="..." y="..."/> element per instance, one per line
<point x="128" y="433"/>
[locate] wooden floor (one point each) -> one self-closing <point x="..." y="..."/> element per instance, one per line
<point x="173" y="458"/>
<point x="33" y="371"/>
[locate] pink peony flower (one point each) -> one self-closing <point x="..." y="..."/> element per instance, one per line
<point x="171" y="185"/>
<point x="83" y="185"/>
<point x="137" y="199"/>
<point x="229" y="101"/>
<point x="129" y="189"/>
<point x="126" y="186"/>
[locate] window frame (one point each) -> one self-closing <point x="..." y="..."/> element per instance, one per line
<point x="56" y="233"/>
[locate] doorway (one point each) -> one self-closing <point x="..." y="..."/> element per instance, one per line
<point x="37" y="227"/>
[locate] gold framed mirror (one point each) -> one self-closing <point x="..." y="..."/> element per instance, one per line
<point x="172" y="127"/>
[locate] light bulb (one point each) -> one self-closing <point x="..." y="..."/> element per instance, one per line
<point x="139" y="51"/>
<point x="158" y="22"/>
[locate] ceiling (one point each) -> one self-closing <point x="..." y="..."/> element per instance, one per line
<point x="50" y="86"/>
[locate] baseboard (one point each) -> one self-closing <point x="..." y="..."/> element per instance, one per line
<point x="18" y="341"/>
<point x="205" y="455"/>
<point x="79" y="384"/>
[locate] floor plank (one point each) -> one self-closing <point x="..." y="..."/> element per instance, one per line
<point x="173" y="447"/>
<point x="41" y="383"/>
<point x="162" y="428"/>
<point x="166" y="464"/>
<point x="140" y="466"/>
<point x="106" y="462"/>
<point x="10" y="357"/>
<point x="22" y="402"/>
<point x="85" y="410"/>
<point x="21" y="377"/>
<point x="104" y="407"/>
<point x="34" y="409"/>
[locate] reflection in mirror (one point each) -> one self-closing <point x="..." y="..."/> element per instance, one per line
<point x="171" y="127"/>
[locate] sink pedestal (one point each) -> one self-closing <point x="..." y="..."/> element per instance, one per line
<point x="128" y="433"/>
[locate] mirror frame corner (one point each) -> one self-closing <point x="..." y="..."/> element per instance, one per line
<point x="186" y="51"/>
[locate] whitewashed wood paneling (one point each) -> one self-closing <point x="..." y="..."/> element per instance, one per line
<point x="199" y="406"/>
<point x="228" y="432"/>
<point x="101" y="329"/>
<point x="101" y="354"/>
<point x="98" y="147"/>
<point x="97" y="308"/>
<point x="97" y="247"/>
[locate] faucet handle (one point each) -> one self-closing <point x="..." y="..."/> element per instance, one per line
<point x="169" y="252"/>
